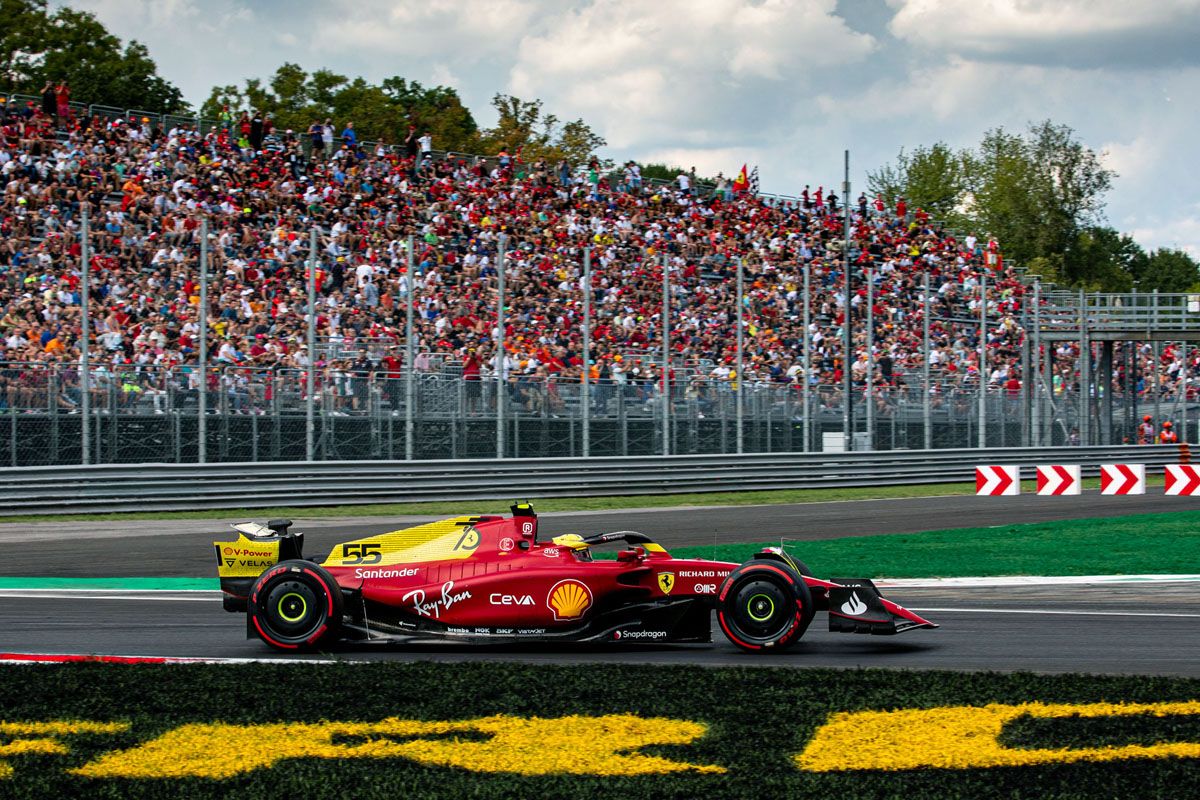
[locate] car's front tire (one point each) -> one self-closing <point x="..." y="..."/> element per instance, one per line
<point x="764" y="606"/>
<point x="296" y="605"/>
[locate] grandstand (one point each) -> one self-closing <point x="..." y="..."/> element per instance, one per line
<point x="149" y="182"/>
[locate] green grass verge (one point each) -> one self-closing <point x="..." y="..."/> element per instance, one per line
<point x="757" y="719"/>
<point x="1137" y="544"/>
<point x="555" y="503"/>
<point x="1141" y="543"/>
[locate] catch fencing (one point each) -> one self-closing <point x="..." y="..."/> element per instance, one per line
<point x="152" y="414"/>
<point x="171" y="487"/>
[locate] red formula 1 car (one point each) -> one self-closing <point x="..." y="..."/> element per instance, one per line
<point x="489" y="579"/>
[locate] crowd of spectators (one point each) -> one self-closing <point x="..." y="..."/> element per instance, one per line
<point x="262" y="191"/>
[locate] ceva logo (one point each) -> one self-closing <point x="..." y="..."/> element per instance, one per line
<point x="498" y="599"/>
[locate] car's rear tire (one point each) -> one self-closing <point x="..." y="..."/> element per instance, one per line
<point x="296" y="605"/>
<point x="764" y="606"/>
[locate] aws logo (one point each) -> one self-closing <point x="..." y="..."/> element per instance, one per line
<point x="569" y="599"/>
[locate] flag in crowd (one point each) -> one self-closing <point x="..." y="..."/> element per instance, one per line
<point x="742" y="182"/>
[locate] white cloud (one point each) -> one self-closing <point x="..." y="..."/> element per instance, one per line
<point x="464" y="29"/>
<point x="1179" y="231"/>
<point x="1077" y="32"/>
<point x="679" y="69"/>
<point x="1132" y="159"/>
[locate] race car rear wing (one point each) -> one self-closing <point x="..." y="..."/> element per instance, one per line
<point x="256" y="548"/>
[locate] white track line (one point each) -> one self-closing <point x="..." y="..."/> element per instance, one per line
<point x="20" y="659"/>
<point x="160" y="595"/>
<point x="1049" y="611"/>
<point x="1032" y="580"/>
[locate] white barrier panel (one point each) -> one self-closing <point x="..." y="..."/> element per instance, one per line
<point x="1182" y="479"/>
<point x="1056" y="479"/>
<point x="996" y="481"/>
<point x="1122" y="479"/>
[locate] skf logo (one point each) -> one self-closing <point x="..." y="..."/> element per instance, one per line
<point x="666" y="581"/>
<point x="569" y="599"/>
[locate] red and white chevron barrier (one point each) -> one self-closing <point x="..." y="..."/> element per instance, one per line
<point x="1182" y="479"/>
<point x="1122" y="479"/>
<point x="996" y="481"/>
<point x="1057" y="479"/>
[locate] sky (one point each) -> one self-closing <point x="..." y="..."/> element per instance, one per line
<point x="786" y="85"/>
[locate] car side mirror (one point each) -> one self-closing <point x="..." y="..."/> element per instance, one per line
<point x="632" y="554"/>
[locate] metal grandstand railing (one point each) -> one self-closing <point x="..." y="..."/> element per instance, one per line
<point x="145" y="413"/>
<point x="1130" y="316"/>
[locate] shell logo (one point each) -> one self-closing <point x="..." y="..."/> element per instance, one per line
<point x="569" y="599"/>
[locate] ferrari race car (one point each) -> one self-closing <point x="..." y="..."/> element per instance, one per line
<point x="490" y="579"/>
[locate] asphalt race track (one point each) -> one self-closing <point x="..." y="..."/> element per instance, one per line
<point x="1111" y="629"/>
<point x="1082" y="629"/>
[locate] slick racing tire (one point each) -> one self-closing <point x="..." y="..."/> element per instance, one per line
<point x="764" y="606"/>
<point x="295" y="605"/>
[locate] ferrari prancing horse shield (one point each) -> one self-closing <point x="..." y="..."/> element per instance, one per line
<point x="666" y="581"/>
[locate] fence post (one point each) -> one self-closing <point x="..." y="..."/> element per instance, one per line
<point x="1035" y="372"/>
<point x="500" y="269"/>
<point x="1183" y="410"/>
<point x="587" y="353"/>
<point x="1085" y="351"/>
<point x="806" y="389"/>
<point x="202" y="355"/>
<point x="738" y="386"/>
<point x="310" y="426"/>
<point x="983" y="370"/>
<point x="927" y="411"/>
<point x="870" y="393"/>
<point x="85" y="384"/>
<point x="847" y="335"/>
<point x="409" y="355"/>
<point x="666" y="354"/>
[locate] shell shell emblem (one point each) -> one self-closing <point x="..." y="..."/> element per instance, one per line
<point x="569" y="599"/>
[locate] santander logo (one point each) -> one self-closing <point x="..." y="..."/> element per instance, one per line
<point x="854" y="607"/>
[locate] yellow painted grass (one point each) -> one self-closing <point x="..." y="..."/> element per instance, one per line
<point x="574" y="745"/>
<point x="961" y="737"/>
<point x="39" y="738"/>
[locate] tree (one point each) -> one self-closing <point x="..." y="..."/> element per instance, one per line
<point x="24" y="25"/>
<point x="1113" y="261"/>
<point x="1039" y="193"/>
<point x="71" y="45"/>
<point x="294" y="98"/>
<point x="1168" y="271"/>
<point x="523" y="125"/>
<point x="931" y="178"/>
